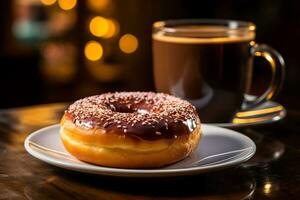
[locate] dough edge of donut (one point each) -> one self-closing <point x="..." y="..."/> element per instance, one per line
<point x="147" y="154"/>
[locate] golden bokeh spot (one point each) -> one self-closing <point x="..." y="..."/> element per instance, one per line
<point x="252" y="28"/>
<point x="99" y="26"/>
<point x="267" y="188"/>
<point x="93" y="50"/>
<point x="97" y="4"/>
<point x="67" y="4"/>
<point x="128" y="43"/>
<point x="252" y="43"/>
<point x="48" y="2"/>
<point x="113" y="28"/>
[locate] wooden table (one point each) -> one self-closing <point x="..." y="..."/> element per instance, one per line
<point x="267" y="176"/>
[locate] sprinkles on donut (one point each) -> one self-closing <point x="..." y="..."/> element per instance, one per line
<point x="131" y="129"/>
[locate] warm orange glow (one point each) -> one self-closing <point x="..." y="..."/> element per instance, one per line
<point x="104" y="72"/>
<point x="102" y="27"/>
<point x="267" y="188"/>
<point x="58" y="63"/>
<point x="113" y="28"/>
<point x="93" y="50"/>
<point x="252" y="28"/>
<point x="128" y="43"/>
<point x="67" y="4"/>
<point x="48" y="2"/>
<point x="62" y="73"/>
<point x="43" y="116"/>
<point x="97" y="4"/>
<point x="99" y="26"/>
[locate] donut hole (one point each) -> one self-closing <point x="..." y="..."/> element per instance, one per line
<point x="128" y="108"/>
<point x="122" y="108"/>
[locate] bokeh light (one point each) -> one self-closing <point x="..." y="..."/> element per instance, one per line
<point x="267" y="188"/>
<point x="104" y="72"/>
<point x="113" y="28"/>
<point x="102" y="27"/>
<point x="60" y="22"/>
<point x="99" y="26"/>
<point x="67" y="4"/>
<point x="128" y="43"/>
<point x="58" y="63"/>
<point x="97" y="4"/>
<point x="48" y="2"/>
<point x="93" y="50"/>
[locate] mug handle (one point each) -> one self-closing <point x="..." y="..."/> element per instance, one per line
<point x="278" y="73"/>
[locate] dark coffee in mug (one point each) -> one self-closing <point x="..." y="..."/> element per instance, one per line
<point x="207" y="65"/>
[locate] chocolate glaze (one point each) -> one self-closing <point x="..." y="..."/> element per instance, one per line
<point x="142" y="115"/>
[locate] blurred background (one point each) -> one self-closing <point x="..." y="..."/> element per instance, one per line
<point x="62" y="50"/>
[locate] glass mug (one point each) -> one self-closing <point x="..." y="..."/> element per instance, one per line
<point x="209" y="63"/>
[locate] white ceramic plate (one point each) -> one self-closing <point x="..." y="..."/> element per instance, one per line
<point x="219" y="148"/>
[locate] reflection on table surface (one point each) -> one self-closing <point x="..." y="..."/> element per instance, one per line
<point x="22" y="176"/>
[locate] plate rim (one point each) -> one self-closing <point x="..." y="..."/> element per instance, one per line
<point x="122" y="172"/>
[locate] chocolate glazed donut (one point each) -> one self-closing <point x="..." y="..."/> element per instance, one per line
<point x="130" y="129"/>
